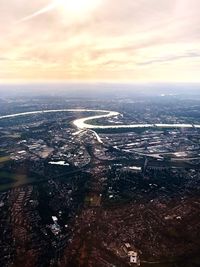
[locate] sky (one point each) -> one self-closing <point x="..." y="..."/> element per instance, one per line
<point x="100" y="40"/>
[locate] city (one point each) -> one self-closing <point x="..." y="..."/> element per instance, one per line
<point x="99" y="197"/>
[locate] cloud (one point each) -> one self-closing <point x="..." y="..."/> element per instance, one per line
<point x="4" y="58"/>
<point x="39" y="12"/>
<point x="122" y="40"/>
<point x="170" y="58"/>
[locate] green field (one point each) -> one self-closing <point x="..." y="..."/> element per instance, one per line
<point x="9" y="180"/>
<point x="4" y="159"/>
<point x="11" y="177"/>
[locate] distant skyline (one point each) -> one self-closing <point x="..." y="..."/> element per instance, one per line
<point x="100" y="40"/>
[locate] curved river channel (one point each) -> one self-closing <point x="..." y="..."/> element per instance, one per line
<point x="82" y="123"/>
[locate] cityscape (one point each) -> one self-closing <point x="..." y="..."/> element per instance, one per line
<point x="100" y="133"/>
<point x="99" y="197"/>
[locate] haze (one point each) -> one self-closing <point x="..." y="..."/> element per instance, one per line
<point x="106" y="40"/>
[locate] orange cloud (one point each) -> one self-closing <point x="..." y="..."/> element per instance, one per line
<point x="143" y="40"/>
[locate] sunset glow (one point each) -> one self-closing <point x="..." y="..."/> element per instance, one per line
<point x="100" y="40"/>
<point x="78" y="6"/>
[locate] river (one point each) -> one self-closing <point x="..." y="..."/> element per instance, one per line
<point x="82" y="123"/>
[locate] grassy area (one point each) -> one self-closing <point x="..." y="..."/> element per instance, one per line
<point x="9" y="179"/>
<point x="4" y="159"/>
<point x="7" y="175"/>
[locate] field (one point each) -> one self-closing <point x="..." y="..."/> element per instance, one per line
<point x="4" y="159"/>
<point x="8" y="179"/>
